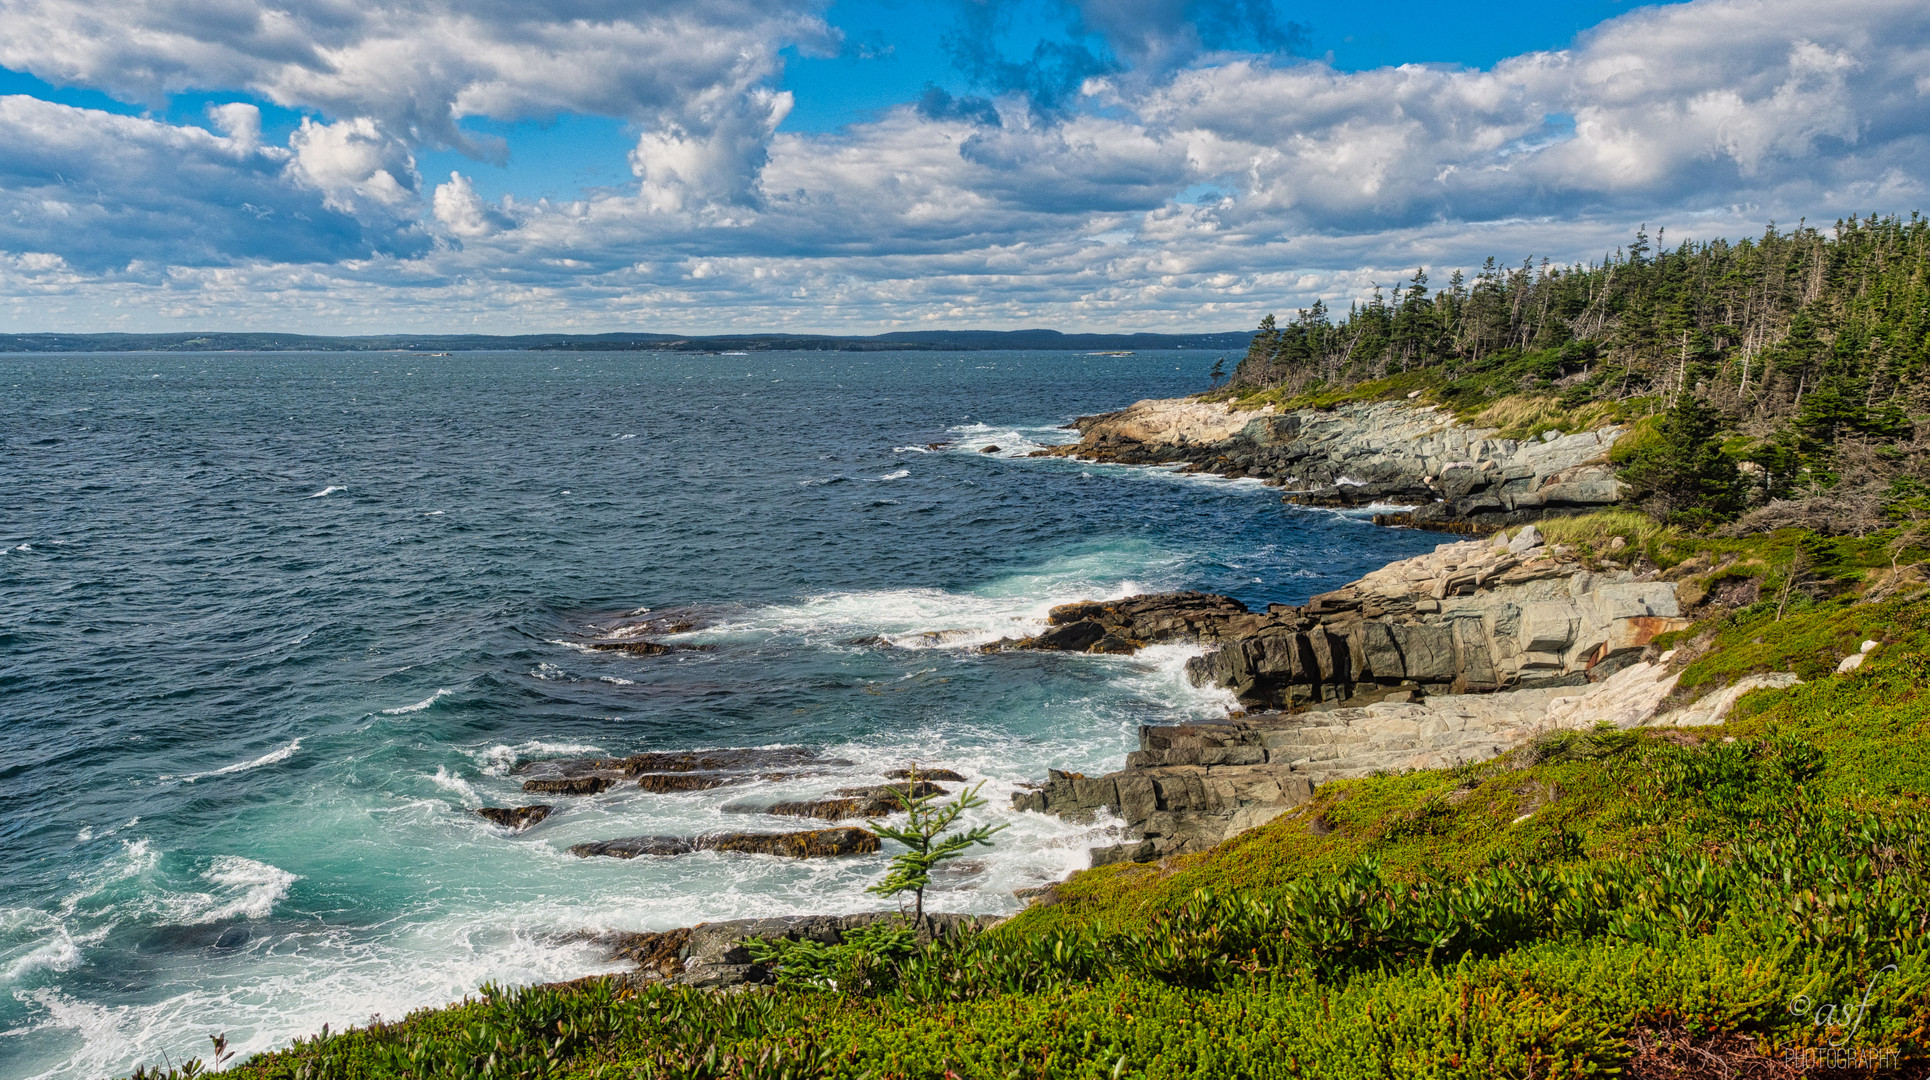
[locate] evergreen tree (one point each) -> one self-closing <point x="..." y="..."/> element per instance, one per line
<point x="925" y="847"/>
<point x="1682" y="476"/>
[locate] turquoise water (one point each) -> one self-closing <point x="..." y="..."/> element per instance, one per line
<point x="271" y="626"/>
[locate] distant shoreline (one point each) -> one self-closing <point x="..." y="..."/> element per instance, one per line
<point x="903" y="341"/>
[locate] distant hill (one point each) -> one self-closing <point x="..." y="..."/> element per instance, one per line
<point x="928" y="340"/>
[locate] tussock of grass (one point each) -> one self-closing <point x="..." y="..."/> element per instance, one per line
<point x="1599" y="530"/>
<point x="1528" y="416"/>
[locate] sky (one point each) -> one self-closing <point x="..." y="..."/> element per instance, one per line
<point x="857" y="166"/>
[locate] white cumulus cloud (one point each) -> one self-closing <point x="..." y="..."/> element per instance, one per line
<point x="1199" y="190"/>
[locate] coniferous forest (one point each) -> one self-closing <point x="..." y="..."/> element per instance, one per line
<point x="1800" y="356"/>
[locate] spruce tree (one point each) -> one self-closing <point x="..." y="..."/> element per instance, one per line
<point x="1682" y="476"/>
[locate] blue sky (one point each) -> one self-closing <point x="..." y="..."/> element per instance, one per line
<point x="893" y="49"/>
<point x="690" y="165"/>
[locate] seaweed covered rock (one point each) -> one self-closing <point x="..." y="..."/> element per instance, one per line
<point x="811" y="844"/>
<point x="874" y="801"/>
<point x="516" y="818"/>
<point x="569" y="785"/>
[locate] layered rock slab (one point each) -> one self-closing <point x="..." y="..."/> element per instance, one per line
<point x="1474" y="616"/>
<point x="1367" y="453"/>
<point x="810" y="844"/>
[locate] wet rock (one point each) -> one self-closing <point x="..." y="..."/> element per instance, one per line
<point x="569" y="785"/>
<point x="938" y="775"/>
<point x="919" y="790"/>
<point x="993" y="449"/>
<point x="1125" y="626"/>
<point x="762" y="759"/>
<point x="665" y="783"/>
<point x="630" y="847"/>
<point x="857" y="802"/>
<point x="656" y="953"/>
<point x="822" y="809"/>
<point x="812" y="844"/>
<point x="634" y="648"/>
<point x="816" y="843"/>
<point x="516" y="818"/>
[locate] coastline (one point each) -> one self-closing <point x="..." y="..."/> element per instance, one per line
<point x="1438" y="660"/>
<point x="1370" y="730"/>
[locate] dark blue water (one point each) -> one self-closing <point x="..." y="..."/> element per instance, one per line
<point x="271" y="626"/>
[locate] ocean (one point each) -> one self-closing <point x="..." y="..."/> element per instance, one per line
<point x="273" y="625"/>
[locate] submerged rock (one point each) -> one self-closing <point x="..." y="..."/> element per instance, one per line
<point x="516" y="818"/>
<point x="812" y="844"/>
<point x="739" y="763"/>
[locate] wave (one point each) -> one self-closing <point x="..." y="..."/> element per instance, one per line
<point x="401" y="710"/>
<point x="329" y="490"/>
<point x="1012" y="442"/>
<point x="456" y="785"/>
<point x="33" y="940"/>
<point x="1013" y="606"/>
<point x="243" y="888"/>
<point x="269" y="758"/>
<point x="498" y="759"/>
<point x="898" y="475"/>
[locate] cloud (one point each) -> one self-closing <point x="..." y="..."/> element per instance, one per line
<point x="101" y="191"/>
<point x="711" y="159"/>
<point x="463" y="213"/>
<point x="1183" y="185"/>
<point x="358" y="167"/>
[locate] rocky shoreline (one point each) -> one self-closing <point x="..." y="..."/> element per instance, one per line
<point x="1430" y="469"/>
<point x="1450" y="657"/>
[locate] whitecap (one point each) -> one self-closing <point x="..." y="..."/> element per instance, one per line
<point x="420" y="705"/>
<point x="243" y="888"/>
<point x="898" y="475"/>
<point x="33" y="940"/>
<point x="548" y="672"/>
<point x="911" y="449"/>
<point x="500" y="758"/>
<point x="271" y="757"/>
<point x="614" y="681"/>
<point x="1013" y="606"/>
<point x="329" y="490"/>
<point x="456" y="785"/>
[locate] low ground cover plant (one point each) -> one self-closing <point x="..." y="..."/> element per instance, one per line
<point x="1755" y="894"/>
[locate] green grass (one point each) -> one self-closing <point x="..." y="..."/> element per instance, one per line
<point x="1318" y="396"/>
<point x="1526" y="916"/>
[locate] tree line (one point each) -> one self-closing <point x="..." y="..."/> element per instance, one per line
<point x="1807" y="349"/>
